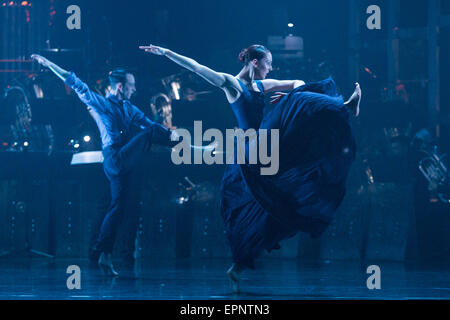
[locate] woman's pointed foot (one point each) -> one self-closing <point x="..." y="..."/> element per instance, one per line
<point x="355" y="100"/>
<point x="234" y="276"/>
<point x="105" y="264"/>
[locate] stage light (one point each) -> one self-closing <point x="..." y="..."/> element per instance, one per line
<point x="26" y="144"/>
<point x="175" y="89"/>
<point x="38" y="91"/>
<point x="24" y="3"/>
<point x="87" y="138"/>
<point x="76" y="145"/>
<point x="290" y="25"/>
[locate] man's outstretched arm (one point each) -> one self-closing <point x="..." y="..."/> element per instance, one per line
<point x="90" y="98"/>
<point x="60" y="72"/>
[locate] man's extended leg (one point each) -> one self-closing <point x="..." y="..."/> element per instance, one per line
<point x="131" y="153"/>
<point x="118" y="164"/>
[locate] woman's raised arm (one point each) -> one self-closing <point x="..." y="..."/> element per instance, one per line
<point x="218" y="79"/>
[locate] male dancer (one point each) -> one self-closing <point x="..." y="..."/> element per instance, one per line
<point x="115" y="116"/>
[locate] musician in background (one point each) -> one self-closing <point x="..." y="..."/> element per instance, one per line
<point x="23" y="134"/>
<point x="115" y="117"/>
<point x="161" y="108"/>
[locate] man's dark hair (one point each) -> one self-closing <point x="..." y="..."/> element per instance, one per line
<point x="116" y="76"/>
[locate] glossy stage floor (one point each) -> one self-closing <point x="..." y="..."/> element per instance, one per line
<point x="191" y="279"/>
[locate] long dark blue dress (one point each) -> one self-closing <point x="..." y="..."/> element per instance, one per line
<point x="316" y="148"/>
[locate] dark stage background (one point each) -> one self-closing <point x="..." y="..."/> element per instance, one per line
<point x="390" y="214"/>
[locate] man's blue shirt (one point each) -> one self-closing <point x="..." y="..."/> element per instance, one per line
<point x="115" y="118"/>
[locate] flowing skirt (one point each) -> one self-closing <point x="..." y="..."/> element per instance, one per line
<point x="316" y="150"/>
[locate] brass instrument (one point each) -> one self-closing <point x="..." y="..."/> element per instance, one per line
<point x="435" y="171"/>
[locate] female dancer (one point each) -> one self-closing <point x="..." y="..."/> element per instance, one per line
<point x="316" y="150"/>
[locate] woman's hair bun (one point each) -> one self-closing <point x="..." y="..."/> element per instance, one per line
<point x="243" y="56"/>
<point x="255" y="51"/>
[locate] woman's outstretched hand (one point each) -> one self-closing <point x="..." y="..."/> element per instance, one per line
<point x="154" y="49"/>
<point x="277" y="97"/>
